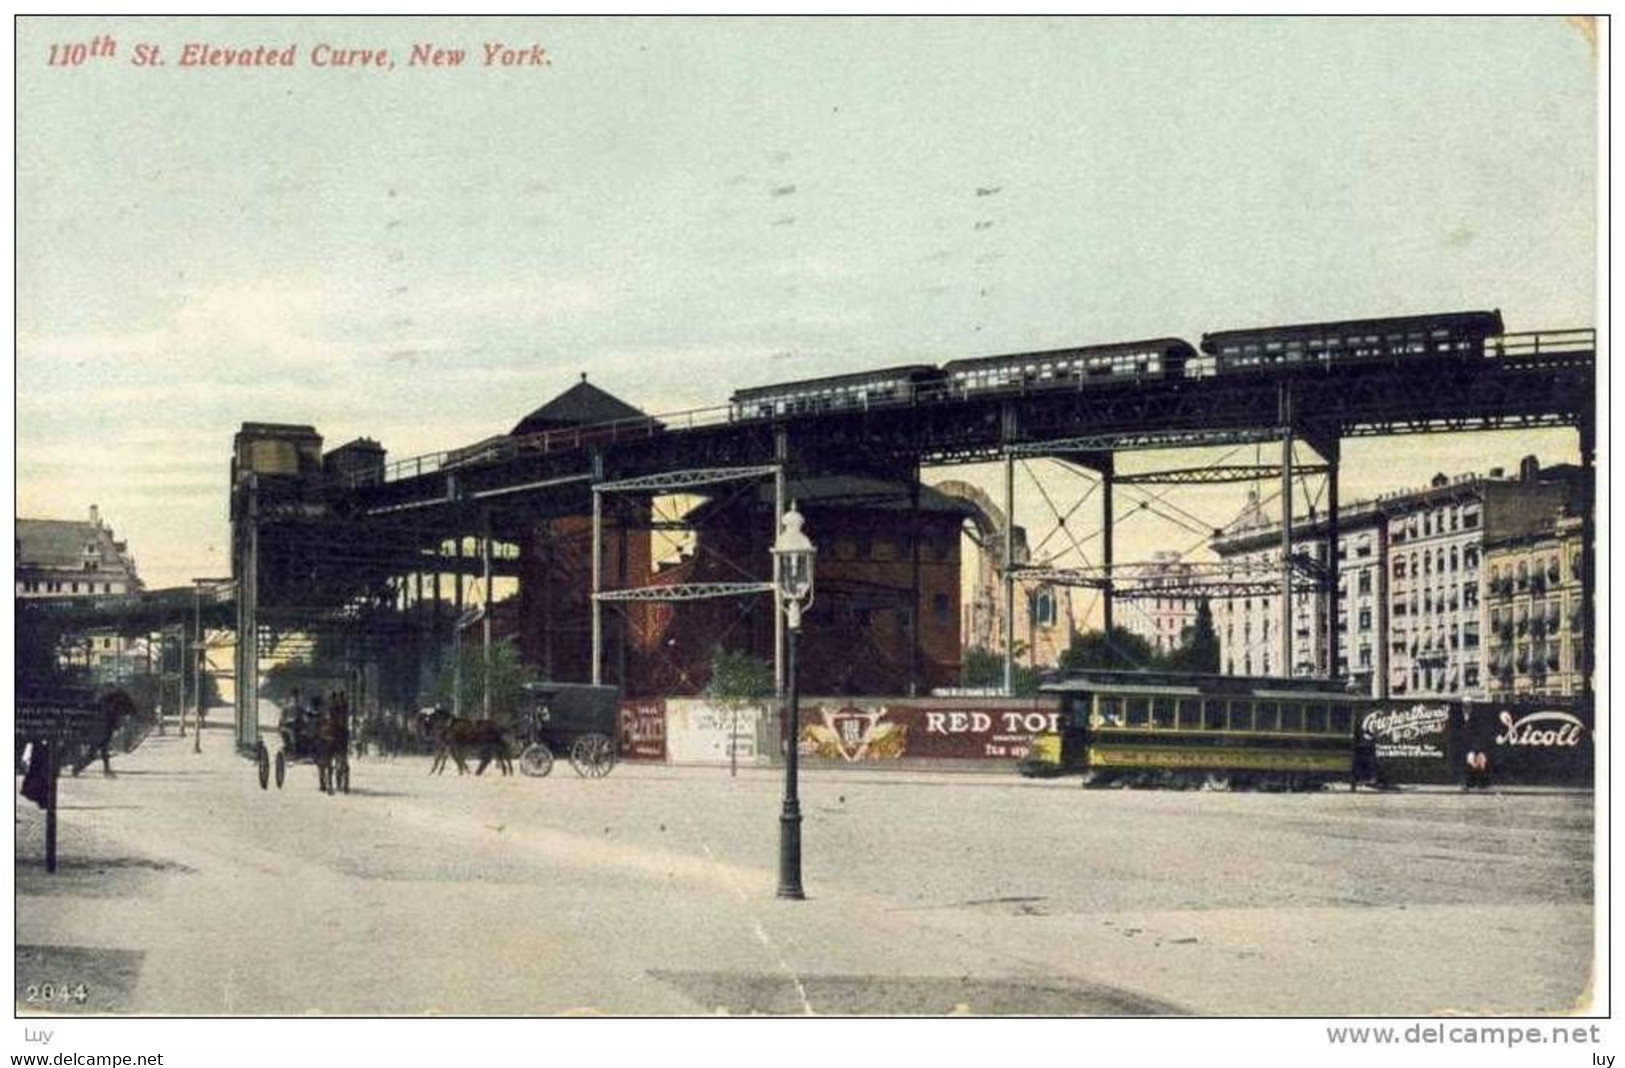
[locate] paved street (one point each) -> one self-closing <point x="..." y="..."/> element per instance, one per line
<point x="186" y="889"/>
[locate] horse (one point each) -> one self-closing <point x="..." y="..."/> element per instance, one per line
<point x="333" y="747"/>
<point x="456" y="737"/>
<point x="115" y="707"/>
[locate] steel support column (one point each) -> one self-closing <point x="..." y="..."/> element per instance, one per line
<point x="1009" y="561"/>
<point x="1285" y="637"/>
<point x="781" y="455"/>
<point x="1331" y="451"/>
<point x="485" y="616"/>
<point x="914" y="583"/>
<point x="1108" y="475"/>
<point x="597" y="586"/>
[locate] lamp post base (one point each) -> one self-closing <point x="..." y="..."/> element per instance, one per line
<point x="790" y="852"/>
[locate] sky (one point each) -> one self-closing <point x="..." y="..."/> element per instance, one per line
<point x="683" y="207"/>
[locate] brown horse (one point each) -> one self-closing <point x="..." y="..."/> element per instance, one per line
<point x="333" y="747"/>
<point x="115" y="707"/>
<point x="456" y="737"/>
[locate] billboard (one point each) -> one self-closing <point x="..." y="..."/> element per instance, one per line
<point x="643" y="729"/>
<point x="1528" y="740"/>
<point x="877" y="729"/>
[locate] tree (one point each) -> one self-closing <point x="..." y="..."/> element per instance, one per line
<point x="1198" y="651"/>
<point x="1122" y="650"/>
<point x="509" y="674"/>
<point x="739" y="679"/>
<point x="983" y="669"/>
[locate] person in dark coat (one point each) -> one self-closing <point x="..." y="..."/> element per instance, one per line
<point x="1364" y="767"/>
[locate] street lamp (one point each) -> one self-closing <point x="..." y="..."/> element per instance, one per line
<point x="794" y="553"/>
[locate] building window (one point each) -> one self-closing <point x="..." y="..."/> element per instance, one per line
<point x="941" y="607"/>
<point x="1365" y="619"/>
<point x="1365" y="581"/>
<point x="1044" y="608"/>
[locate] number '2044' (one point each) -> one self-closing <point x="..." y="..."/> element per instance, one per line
<point x="38" y="992"/>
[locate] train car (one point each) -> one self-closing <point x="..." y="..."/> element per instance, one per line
<point x="1319" y="346"/>
<point x="868" y="389"/>
<point x="1132" y="361"/>
<point x="1163" y="729"/>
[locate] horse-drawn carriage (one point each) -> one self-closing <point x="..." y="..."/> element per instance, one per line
<point x="310" y="734"/>
<point x="570" y="718"/>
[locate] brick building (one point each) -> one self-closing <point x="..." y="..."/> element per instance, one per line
<point x="859" y="635"/>
<point x="1534" y="603"/>
<point x="1411" y="617"/>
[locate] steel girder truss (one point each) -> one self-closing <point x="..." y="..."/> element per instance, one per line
<point x="688" y="591"/>
<point x="1218" y="473"/>
<point x="1194" y="580"/>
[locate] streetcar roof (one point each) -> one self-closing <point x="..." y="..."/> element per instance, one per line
<point x="1177" y="684"/>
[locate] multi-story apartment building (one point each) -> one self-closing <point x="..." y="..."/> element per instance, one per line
<point x="1160" y="619"/>
<point x="76" y="558"/>
<point x="1534" y="602"/>
<point x="1250" y="627"/>
<point x="1411" y="617"/>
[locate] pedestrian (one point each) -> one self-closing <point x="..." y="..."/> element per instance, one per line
<point x="1364" y="766"/>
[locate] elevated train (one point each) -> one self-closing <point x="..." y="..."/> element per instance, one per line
<point x="1302" y="348"/>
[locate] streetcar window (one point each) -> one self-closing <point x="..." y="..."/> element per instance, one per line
<point x="1268" y="717"/>
<point x="1162" y="712"/>
<point x="1213" y="715"/>
<point x="1110" y="710"/>
<point x="1316" y="719"/>
<point x="1342" y="721"/>
<point x="1292" y="718"/>
<point x="1241" y="715"/>
<point x="1139" y="712"/>
<point x="1190" y="714"/>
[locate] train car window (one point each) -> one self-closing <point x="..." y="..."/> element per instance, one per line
<point x="1292" y="717"/>
<point x="1316" y="719"/>
<point x="1190" y="714"/>
<point x="1110" y="711"/>
<point x="1162" y="712"/>
<point x="1213" y="715"/>
<point x="1139" y="712"/>
<point x="1241" y="715"/>
<point x="1267" y="717"/>
<point x="1342" y="720"/>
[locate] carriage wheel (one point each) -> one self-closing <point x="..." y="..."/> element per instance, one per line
<point x="537" y="760"/>
<point x="592" y="756"/>
<point x="263" y="760"/>
<point x="281" y="768"/>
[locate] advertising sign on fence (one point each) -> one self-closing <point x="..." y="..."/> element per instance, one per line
<point x="1412" y="740"/>
<point x="1545" y="741"/>
<point x="1535" y="741"/>
<point x="643" y="729"/>
<point x="876" y="729"/>
<point x="699" y="731"/>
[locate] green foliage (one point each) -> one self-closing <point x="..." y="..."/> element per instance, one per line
<point x="739" y="679"/>
<point x="1122" y="650"/>
<point x="509" y="674"/>
<point x="983" y="669"/>
<point x="1198" y="651"/>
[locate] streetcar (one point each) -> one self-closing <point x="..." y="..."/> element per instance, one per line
<point x="1138" y="728"/>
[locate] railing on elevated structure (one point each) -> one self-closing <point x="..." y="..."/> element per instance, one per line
<point x="1515" y="346"/>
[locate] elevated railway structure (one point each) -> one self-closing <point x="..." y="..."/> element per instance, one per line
<point x="361" y="554"/>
